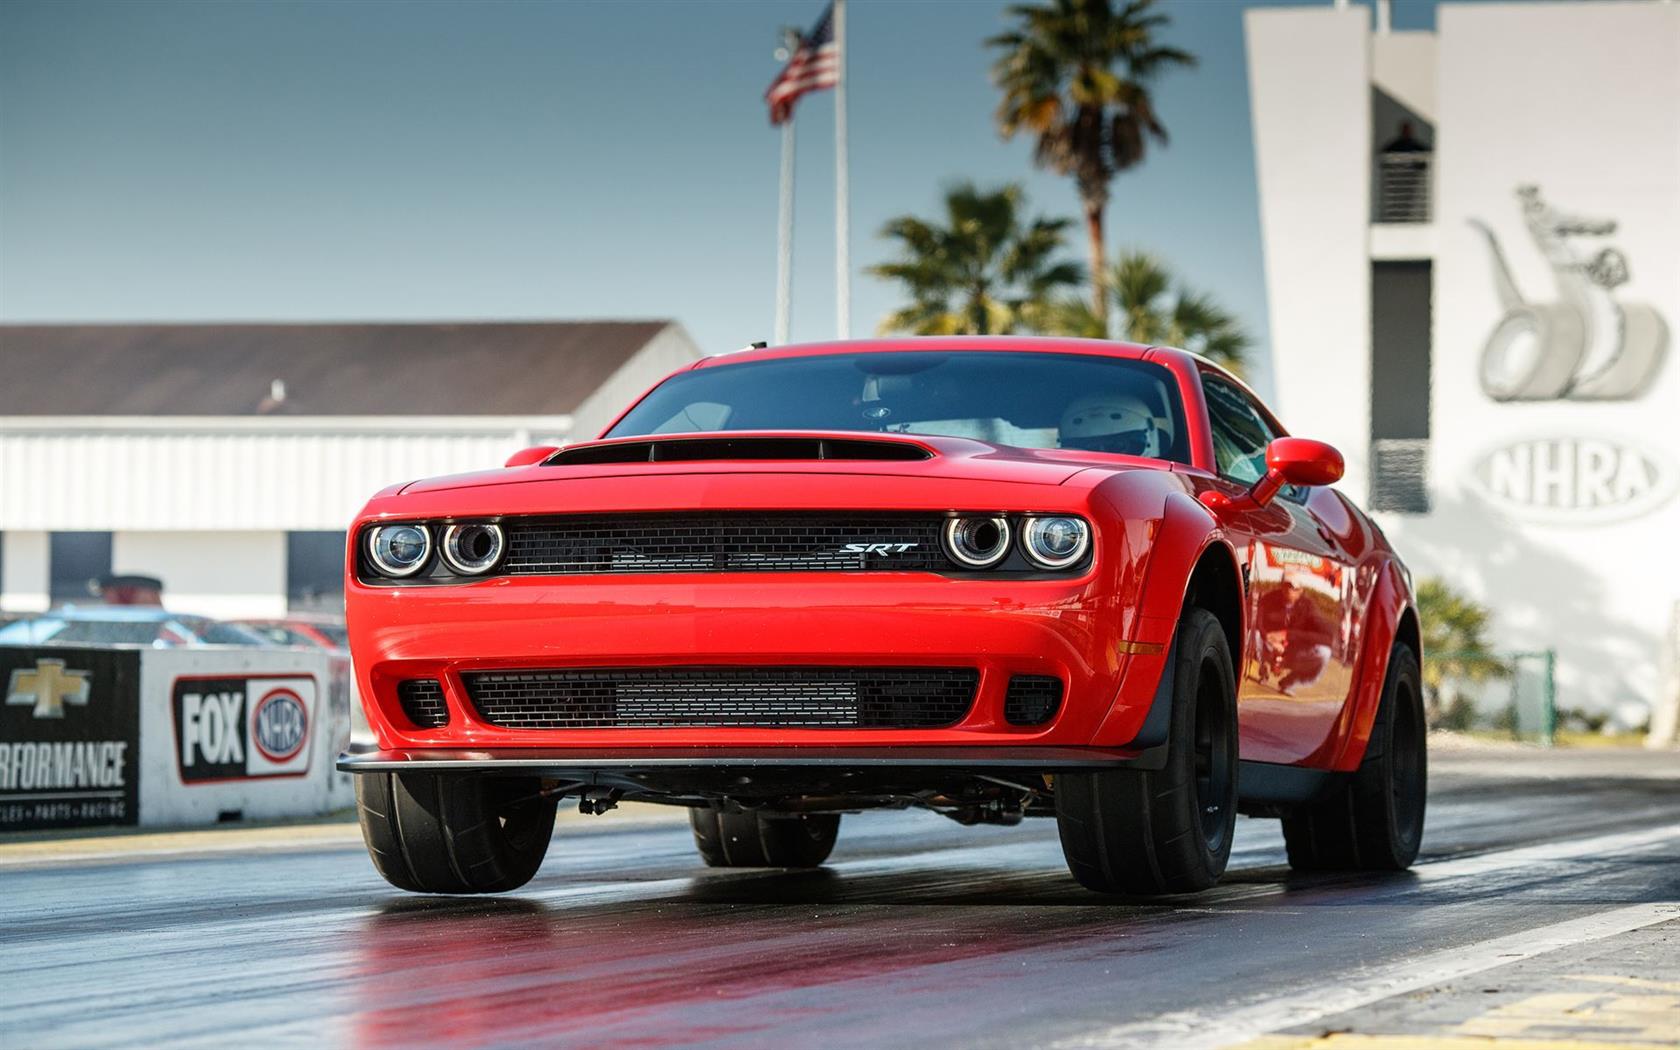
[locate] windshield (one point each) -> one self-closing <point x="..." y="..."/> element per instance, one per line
<point x="1026" y="399"/>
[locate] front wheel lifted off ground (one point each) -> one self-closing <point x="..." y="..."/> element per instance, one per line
<point x="1163" y="831"/>
<point x="441" y="833"/>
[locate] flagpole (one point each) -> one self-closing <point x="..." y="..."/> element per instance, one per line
<point x="842" y="189"/>
<point x="784" y="238"/>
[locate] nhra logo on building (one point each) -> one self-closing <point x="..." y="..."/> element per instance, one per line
<point x="1575" y="479"/>
<point x="242" y="728"/>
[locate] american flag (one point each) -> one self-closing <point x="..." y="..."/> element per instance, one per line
<point x="813" y="67"/>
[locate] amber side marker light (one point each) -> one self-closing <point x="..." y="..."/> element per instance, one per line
<point x="1139" y="648"/>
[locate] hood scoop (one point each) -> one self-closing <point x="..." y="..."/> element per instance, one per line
<point x="694" y="449"/>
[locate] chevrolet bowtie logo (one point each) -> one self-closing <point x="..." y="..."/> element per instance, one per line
<point x="49" y="687"/>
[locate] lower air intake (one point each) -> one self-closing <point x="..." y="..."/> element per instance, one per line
<point x="780" y="697"/>
<point x="422" y="702"/>
<point x="1032" y="699"/>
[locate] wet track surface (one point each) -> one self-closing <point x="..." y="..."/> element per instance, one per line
<point x="919" y="932"/>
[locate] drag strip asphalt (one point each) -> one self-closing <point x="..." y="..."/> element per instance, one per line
<point x="918" y="932"/>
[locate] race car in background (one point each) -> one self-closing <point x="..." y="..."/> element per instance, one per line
<point x="992" y="578"/>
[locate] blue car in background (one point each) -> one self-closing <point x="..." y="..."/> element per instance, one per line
<point x="126" y="625"/>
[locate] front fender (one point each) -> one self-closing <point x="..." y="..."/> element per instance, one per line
<point x="1178" y="539"/>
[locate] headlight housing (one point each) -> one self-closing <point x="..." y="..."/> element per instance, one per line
<point x="976" y="543"/>
<point x="399" y="550"/>
<point x="1055" y="541"/>
<point x="474" y="548"/>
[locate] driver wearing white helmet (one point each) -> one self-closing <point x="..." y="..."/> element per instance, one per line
<point x="1114" y="422"/>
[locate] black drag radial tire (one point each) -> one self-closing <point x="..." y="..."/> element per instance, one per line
<point x="1152" y="832"/>
<point x="1375" y="821"/>
<point x="439" y="833"/>
<point x="753" y="840"/>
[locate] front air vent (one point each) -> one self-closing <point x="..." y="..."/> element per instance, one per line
<point x="422" y="702"/>
<point x="1032" y="699"/>
<point x="688" y="450"/>
<point x="674" y="697"/>
<point x="724" y="542"/>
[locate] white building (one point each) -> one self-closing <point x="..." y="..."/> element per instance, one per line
<point x="1486" y="325"/>
<point x="229" y="459"/>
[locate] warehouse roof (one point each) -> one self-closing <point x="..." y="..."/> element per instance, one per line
<point x="536" y="368"/>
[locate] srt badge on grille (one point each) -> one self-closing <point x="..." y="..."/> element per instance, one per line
<point x="877" y="548"/>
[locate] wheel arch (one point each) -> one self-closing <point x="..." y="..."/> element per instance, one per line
<point x="1215" y="584"/>
<point x="1390" y="616"/>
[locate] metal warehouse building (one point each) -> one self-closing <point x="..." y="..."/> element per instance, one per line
<point x="1472" y="250"/>
<point x="228" y="459"/>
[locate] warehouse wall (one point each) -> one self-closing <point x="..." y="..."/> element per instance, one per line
<point x="222" y="574"/>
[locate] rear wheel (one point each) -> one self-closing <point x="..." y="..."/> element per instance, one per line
<point x="1168" y="830"/>
<point x="433" y="833"/>
<point x="754" y="840"/>
<point x="1375" y="821"/>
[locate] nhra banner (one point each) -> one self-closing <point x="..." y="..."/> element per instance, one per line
<point x="69" y="737"/>
<point x="242" y="728"/>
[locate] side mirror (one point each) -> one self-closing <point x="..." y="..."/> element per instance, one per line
<point x="1296" y="461"/>
<point x="1289" y="461"/>
<point x="526" y="456"/>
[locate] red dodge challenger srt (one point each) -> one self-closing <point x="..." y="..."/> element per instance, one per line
<point x="992" y="578"/>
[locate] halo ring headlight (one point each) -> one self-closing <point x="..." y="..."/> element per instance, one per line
<point x="976" y="543"/>
<point x="399" y="550"/>
<point x="473" y="549"/>
<point x="1055" y="541"/>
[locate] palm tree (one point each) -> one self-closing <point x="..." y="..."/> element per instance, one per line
<point x="985" y="270"/>
<point x="1076" y="74"/>
<point x="1149" y="306"/>
<point x="1455" y="647"/>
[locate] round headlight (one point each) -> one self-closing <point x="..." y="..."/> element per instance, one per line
<point x="399" y="550"/>
<point x="977" y="543"/>
<point x="1055" y="543"/>
<point x="472" y="549"/>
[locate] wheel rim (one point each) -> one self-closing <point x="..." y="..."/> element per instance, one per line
<point x="1213" y="757"/>
<point x="1406" y="763"/>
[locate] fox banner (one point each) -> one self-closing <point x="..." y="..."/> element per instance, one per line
<point x="69" y="738"/>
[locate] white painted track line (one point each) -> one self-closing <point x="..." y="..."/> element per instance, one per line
<point x="1194" y="1030"/>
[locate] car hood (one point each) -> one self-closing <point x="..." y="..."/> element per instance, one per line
<point x="801" y="452"/>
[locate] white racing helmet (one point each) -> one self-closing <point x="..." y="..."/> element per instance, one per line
<point x="1112" y="422"/>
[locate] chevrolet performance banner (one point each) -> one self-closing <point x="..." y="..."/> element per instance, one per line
<point x="69" y="737"/>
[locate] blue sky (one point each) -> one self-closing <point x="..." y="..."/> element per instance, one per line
<point x="443" y="160"/>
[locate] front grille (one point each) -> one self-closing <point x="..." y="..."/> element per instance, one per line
<point x="1032" y="699"/>
<point x="665" y="543"/>
<point x="783" y="697"/>
<point x="422" y="702"/>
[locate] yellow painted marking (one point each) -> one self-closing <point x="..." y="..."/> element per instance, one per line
<point x="1627" y="1019"/>
<point x="1632" y="982"/>
<point x="1354" y="1041"/>
<point x="1606" y="1018"/>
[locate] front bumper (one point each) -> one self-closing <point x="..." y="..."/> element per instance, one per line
<point x="1072" y="629"/>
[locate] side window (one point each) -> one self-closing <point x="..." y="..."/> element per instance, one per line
<point x="1240" y="433"/>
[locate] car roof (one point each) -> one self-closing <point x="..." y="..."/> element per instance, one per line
<point x="118" y="613"/>
<point x="947" y="343"/>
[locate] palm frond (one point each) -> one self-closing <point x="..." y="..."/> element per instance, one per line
<point x="981" y="268"/>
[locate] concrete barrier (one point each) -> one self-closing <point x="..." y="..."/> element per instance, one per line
<point x="167" y="737"/>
